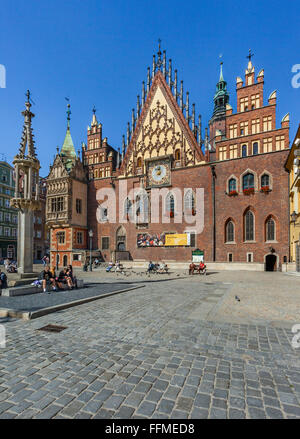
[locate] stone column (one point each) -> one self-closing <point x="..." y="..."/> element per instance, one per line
<point x="25" y="241"/>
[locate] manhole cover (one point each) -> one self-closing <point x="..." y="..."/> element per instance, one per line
<point x="52" y="328"/>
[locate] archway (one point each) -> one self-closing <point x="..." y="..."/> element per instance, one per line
<point x="121" y="239"/>
<point x="271" y="262"/>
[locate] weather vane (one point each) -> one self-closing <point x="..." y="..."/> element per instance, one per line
<point x="250" y="55"/>
<point x="94" y="109"/>
<point x="28" y="95"/>
<point x="68" y="110"/>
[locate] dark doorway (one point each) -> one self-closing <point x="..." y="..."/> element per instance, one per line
<point x="121" y="246"/>
<point x="271" y="262"/>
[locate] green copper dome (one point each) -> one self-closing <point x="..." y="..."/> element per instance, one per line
<point x="221" y="97"/>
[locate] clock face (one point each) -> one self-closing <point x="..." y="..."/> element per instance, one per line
<point x="159" y="173"/>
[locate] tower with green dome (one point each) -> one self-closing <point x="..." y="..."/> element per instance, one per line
<point x="221" y="100"/>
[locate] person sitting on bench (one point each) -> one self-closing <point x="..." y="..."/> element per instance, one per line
<point x="151" y="267"/>
<point x="71" y="275"/>
<point x="48" y="279"/>
<point x="3" y="280"/>
<point x="64" y="279"/>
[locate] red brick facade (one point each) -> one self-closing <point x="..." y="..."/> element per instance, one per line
<point x="241" y="172"/>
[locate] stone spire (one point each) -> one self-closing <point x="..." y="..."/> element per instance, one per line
<point x="27" y="135"/>
<point x="68" y="152"/>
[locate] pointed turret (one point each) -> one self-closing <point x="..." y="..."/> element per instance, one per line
<point x="221" y="97"/>
<point x="68" y="152"/>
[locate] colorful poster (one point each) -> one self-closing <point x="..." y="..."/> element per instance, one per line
<point x="151" y="240"/>
<point x="163" y="239"/>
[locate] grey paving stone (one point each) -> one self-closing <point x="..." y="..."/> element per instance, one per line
<point x="216" y="413"/>
<point x="165" y="406"/>
<point x="256" y="413"/>
<point x="124" y="412"/>
<point x="291" y="410"/>
<point x="146" y="408"/>
<point x="236" y="414"/>
<point x="202" y="400"/>
<point x="274" y="413"/>
<point x="113" y="402"/>
<point x="49" y="412"/>
<point x="198" y="413"/>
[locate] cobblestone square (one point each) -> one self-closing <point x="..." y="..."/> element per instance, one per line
<point x="179" y="347"/>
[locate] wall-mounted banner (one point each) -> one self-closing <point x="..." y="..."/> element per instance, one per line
<point x="151" y="240"/>
<point x="163" y="239"/>
<point x="177" y="239"/>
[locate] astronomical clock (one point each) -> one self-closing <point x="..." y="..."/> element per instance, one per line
<point x="159" y="172"/>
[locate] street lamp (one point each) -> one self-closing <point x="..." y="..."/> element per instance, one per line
<point x="293" y="217"/>
<point x="91" y="241"/>
<point x="56" y="251"/>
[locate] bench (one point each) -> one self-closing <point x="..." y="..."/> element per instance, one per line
<point x="29" y="289"/>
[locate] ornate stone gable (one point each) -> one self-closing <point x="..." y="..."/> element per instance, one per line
<point x="58" y="169"/>
<point x="161" y="130"/>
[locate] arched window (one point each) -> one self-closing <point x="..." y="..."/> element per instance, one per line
<point x="248" y="181"/>
<point x="170" y="204"/>
<point x="255" y="148"/>
<point x="177" y="154"/>
<point x="65" y="260"/>
<point x="249" y="226"/>
<point x="229" y="231"/>
<point x="139" y="162"/>
<point x="244" y="150"/>
<point x="142" y="207"/>
<point x="232" y="185"/>
<point x="265" y="181"/>
<point x="189" y="201"/>
<point x="127" y="206"/>
<point x="270" y="230"/>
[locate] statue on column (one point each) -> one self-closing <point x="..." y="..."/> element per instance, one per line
<point x="26" y="198"/>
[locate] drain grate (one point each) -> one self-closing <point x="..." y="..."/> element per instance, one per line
<point x="52" y="328"/>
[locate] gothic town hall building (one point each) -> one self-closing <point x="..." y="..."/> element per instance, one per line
<point x="237" y="167"/>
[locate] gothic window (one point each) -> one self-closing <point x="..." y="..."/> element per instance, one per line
<point x="105" y="243"/>
<point x="255" y="148"/>
<point x="177" y="154"/>
<point x="189" y="201"/>
<point x="270" y="229"/>
<point x="127" y="207"/>
<point x="79" y="238"/>
<point x="249" y="226"/>
<point x="139" y="162"/>
<point x="78" y="205"/>
<point x="232" y="185"/>
<point x="170" y="204"/>
<point x="244" y="150"/>
<point x="265" y="180"/>
<point x="248" y="181"/>
<point x="229" y="231"/>
<point x="142" y="202"/>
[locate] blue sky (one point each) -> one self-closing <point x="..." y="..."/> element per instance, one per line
<point x="97" y="53"/>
